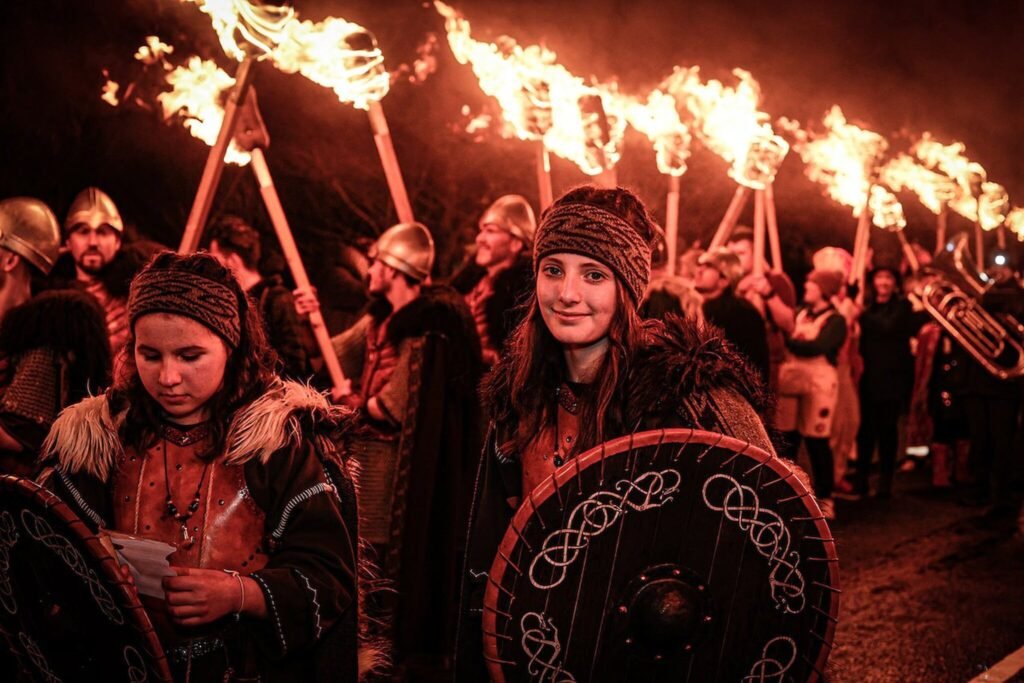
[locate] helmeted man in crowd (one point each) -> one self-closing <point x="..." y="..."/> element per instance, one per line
<point x="718" y="272"/>
<point x="93" y="232"/>
<point x="53" y="348"/>
<point x="773" y="294"/>
<point x="236" y="245"/>
<point x="414" y="363"/>
<point x="500" y="274"/>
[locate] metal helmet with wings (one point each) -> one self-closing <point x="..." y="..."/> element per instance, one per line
<point x="664" y="555"/>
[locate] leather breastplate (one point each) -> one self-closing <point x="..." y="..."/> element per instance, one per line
<point x="227" y="526"/>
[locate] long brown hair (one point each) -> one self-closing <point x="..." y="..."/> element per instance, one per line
<point x="248" y="373"/>
<point x="536" y="360"/>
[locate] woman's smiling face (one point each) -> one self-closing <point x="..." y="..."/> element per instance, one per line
<point x="577" y="297"/>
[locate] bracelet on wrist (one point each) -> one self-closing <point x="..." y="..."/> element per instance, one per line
<point x="241" y="589"/>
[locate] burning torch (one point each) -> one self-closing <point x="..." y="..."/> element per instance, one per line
<point x="658" y="119"/>
<point x="334" y="53"/>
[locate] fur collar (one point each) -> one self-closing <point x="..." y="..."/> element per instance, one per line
<point x="678" y="359"/>
<point x="85" y="439"/>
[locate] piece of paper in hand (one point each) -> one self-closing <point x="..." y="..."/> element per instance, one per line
<point x="147" y="561"/>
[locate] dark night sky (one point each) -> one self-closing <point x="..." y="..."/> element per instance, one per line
<point x="955" y="68"/>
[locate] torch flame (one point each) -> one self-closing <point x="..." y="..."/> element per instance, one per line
<point x="844" y="159"/>
<point x="977" y="199"/>
<point x="197" y="90"/>
<point x="727" y="120"/>
<point x="886" y="210"/>
<point x="542" y="100"/>
<point x="1015" y="222"/>
<point x="658" y="119"/>
<point x="334" y="53"/>
<point x="902" y="172"/>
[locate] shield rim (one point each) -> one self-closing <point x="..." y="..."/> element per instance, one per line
<point x="595" y="457"/>
<point x="107" y="564"/>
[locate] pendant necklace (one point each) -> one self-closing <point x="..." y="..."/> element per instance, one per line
<point x="182" y="518"/>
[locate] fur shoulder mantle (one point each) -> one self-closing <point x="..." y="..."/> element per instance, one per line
<point x="678" y="358"/>
<point x="84" y="438"/>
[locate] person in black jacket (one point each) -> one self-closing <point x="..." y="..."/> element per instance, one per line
<point x="887" y="324"/>
<point x="717" y="274"/>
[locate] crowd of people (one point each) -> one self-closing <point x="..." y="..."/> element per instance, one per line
<point x="183" y="398"/>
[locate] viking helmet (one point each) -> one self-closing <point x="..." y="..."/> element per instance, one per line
<point x="725" y="262"/>
<point x="94" y="207"/>
<point x="406" y="247"/>
<point x="513" y="214"/>
<point x="28" y="228"/>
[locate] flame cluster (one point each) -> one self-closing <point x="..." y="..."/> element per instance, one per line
<point x="334" y="53"/>
<point x="198" y="89"/>
<point x="844" y="158"/>
<point x="1015" y="222"/>
<point x="903" y="172"/>
<point x="658" y="119"/>
<point x="540" y="99"/>
<point x="975" y="197"/>
<point x="727" y="120"/>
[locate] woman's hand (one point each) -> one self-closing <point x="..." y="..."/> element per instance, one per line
<point x="201" y="596"/>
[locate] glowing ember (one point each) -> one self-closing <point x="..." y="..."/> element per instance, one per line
<point x="933" y="189"/>
<point x="843" y="158"/>
<point x="109" y="95"/>
<point x="658" y="119"/>
<point x="540" y="99"/>
<point x="155" y="50"/>
<point x="197" y="90"/>
<point x="334" y="53"/>
<point x="1015" y="222"/>
<point x="727" y="120"/>
<point x="424" y="65"/>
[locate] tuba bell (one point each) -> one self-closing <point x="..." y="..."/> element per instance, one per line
<point x="950" y="290"/>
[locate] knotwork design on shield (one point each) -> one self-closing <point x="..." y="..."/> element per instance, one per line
<point x="777" y="658"/>
<point x="597" y="514"/>
<point x="8" y="537"/>
<point x="768" y="533"/>
<point x="39" y="529"/>
<point x="541" y="645"/>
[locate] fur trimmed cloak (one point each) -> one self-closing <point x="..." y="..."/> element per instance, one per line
<point x="284" y="440"/>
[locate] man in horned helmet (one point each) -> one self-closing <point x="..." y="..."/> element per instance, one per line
<point x="501" y="271"/>
<point x="53" y="347"/>
<point x="414" y="360"/>
<point x="93" y="231"/>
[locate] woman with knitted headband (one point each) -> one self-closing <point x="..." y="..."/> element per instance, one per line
<point x="583" y="368"/>
<point x="198" y="444"/>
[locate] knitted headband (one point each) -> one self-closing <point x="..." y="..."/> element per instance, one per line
<point x="190" y="295"/>
<point x="588" y="230"/>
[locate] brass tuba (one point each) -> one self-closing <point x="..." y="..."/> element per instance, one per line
<point x="950" y="289"/>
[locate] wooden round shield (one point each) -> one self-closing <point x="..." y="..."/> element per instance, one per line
<point x="66" y="613"/>
<point x="670" y="555"/>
